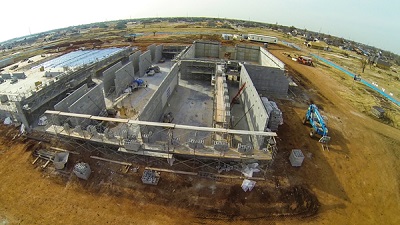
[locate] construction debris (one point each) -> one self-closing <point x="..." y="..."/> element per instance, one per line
<point x="43" y="154"/>
<point x="248" y="185"/>
<point x="150" y="177"/>
<point x="125" y="164"/>
<point x="7" y="121"/>
<point x="82" y="170"/>
<point x="249" y="169"/>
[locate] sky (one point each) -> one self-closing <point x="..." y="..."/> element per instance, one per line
<point x="375" y="23"/>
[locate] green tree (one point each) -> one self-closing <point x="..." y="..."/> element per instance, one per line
<point x="120" y="25"/>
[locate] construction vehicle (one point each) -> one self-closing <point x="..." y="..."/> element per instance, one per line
<point x="317" y="122"/>
<point x="305" y="60"/>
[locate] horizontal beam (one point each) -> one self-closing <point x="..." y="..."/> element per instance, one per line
<point x="164" y="125"/>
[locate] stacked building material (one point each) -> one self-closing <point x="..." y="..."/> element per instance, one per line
<point x="296" y="157"/>
<point x="274" y="114"/>
<point x="150" y="177"/>
<point x="82" y="170"/>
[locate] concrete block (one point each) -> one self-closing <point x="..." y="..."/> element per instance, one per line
<point x="296" y="157"/>
<point x="245" y="148"/>
<point x="132" y="145"/>
<point x="221" y="146"/>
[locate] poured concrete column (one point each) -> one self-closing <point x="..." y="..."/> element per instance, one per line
<point x="22" y="116"/>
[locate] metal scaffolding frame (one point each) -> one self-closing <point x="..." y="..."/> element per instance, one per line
<point x="193" y="161"/>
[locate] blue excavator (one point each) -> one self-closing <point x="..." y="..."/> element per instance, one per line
<point x="317" y="122"/>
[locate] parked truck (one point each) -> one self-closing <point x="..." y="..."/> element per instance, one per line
<point x="305" y="60"/>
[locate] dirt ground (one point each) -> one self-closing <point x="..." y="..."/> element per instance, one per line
<point x="356" y="182"/>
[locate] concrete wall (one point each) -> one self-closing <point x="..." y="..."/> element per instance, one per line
<point x="269" y="81"/>
<point x="155" y="106"/>
<point x="123" y="77"/>
<point x="247" y="53"/>
<point x="6" y="62"/>
<point x="267" y="59"/>
<point x="91" y="103"/>
<point x="19" y="75"/>
<point x="152" y="49"/>
<point x="205" y="49"/>
<point x="189" y="52"/>
<point x="109" y="77"/>
<point x="197" y="70"/>
<point x="144" y="62"/>
<point x="6" y="76"/>
<point x="227" y="52"/>
<point x="256" y="116"/>
<point x="158" y="53"/>
<point x="64" y="104"/>
<point x="134" y="58"/>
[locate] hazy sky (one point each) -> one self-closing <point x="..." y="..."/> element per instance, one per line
<point x="370" y="22"/>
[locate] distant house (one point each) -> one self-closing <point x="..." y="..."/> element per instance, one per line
<point x="227" y="36"/>
<point x="381" y="63"/>
<point x="318" y="45"/>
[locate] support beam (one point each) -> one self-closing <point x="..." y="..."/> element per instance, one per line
<point x="111" y="161"/>
<point x="164" y="125"/>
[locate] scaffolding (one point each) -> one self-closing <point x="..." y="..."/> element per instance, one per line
<point x="122" y="138"/>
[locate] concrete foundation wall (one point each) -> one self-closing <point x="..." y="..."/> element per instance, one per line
<point x="267" y="59"/>
<point x="48" y="96"/>
<point x="207" y="49"/>
<point x="109" y="77"/>
<point x="158" y="53"/>
<point x="70" y="99"/>
<point x="144" y="62"/>
<point x="269" y="81"/>
<point x="152" y="49"/>
<point x="190" y="52"/>
<point x="19" y="75"/>
<point x="228" y="53"/>
<point x="134" y="58"/>
<point x="247" y="53"/>
<point x="123" y="77"/>
<point x="155" y="106"/>
<point x="91" y="103"/>
<point x="6" y="76"/>
<point x="257" y="117"/>
<point x="197" y="70"/>
<point x="6" y="62"/>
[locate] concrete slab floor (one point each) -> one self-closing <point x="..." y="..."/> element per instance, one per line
<point x="192" y="104"/>
<point x="137" y="100"/>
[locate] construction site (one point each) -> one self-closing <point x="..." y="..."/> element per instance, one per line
<point x="156" y="113"/>
<point x="224" y="131"/>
